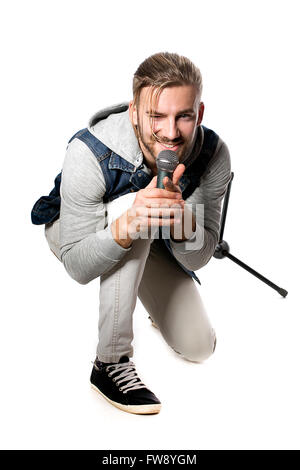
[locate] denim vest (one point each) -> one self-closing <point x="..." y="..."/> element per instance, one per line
<point x="122" y="177"/>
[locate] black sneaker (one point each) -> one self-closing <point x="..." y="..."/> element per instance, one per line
<point x="121" y="386"/>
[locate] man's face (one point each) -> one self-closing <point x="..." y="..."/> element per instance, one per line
<point x="175" y="119"/>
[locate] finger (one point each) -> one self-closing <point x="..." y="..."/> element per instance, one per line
<point x="155" y="222"/>
<point x="152" y="183"/>
<point x="164" y="212"/>
<point x="141" y="224"/>
<point x="169" y="185"/>
<point x="143" y="211"/>
<point x="178" y="172"/>
<point x="162" y="202"/>
<point x="159" y="192"/>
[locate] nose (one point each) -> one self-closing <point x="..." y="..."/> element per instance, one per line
<point x="171" y="130"/>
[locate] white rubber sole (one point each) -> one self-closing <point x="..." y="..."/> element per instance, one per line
<point x="136" y="409"/>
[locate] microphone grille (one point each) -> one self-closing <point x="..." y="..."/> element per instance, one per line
<point x="167" y="160"/>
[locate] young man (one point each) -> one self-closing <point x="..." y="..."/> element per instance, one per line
<point x="109" y="202"/>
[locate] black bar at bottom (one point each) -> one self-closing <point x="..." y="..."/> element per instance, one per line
<point x="101" y="458"/>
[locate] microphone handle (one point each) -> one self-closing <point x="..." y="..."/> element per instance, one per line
<point x="161" y="175"/>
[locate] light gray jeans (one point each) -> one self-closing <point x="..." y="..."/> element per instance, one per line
<point x="169" y="295"/>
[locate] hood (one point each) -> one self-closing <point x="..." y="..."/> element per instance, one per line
<point x="113" y="127"/>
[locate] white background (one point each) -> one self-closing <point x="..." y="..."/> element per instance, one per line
<point x="61" y="62"/>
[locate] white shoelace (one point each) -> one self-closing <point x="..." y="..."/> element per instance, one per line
<point x="128" y="373"/>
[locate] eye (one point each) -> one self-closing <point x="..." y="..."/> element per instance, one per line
<point x="186" y="116"/>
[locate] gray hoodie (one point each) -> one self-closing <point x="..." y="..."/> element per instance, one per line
<point x="87" y="247"/>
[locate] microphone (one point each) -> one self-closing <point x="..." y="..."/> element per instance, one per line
<point x="166" y="162"/>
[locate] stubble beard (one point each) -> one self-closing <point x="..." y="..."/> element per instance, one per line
<point x="183" y="153"/>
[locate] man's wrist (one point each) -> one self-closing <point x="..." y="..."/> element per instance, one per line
<point x="123" y="239"/>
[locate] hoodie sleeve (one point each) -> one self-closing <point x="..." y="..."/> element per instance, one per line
<point x="87" y="247"/>
<point x="195" y="252"/>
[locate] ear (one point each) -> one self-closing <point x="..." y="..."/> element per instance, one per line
<point x="200" y="113"/>
<point x="132" y="113"/>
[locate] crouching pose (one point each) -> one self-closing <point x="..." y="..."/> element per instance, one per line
<point x="106" y="218"/>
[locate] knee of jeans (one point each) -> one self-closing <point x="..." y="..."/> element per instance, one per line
<point x="199" y="351"/>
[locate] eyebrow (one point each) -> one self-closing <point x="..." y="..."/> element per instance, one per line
<point x="184" y="111"/>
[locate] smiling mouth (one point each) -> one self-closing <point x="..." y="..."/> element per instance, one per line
<point x="170" y="146"/>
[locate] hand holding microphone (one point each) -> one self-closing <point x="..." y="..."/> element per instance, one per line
<point x="168" y="176"/>
<point x="168" y="166"/>
<point x="154" y="205"/>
